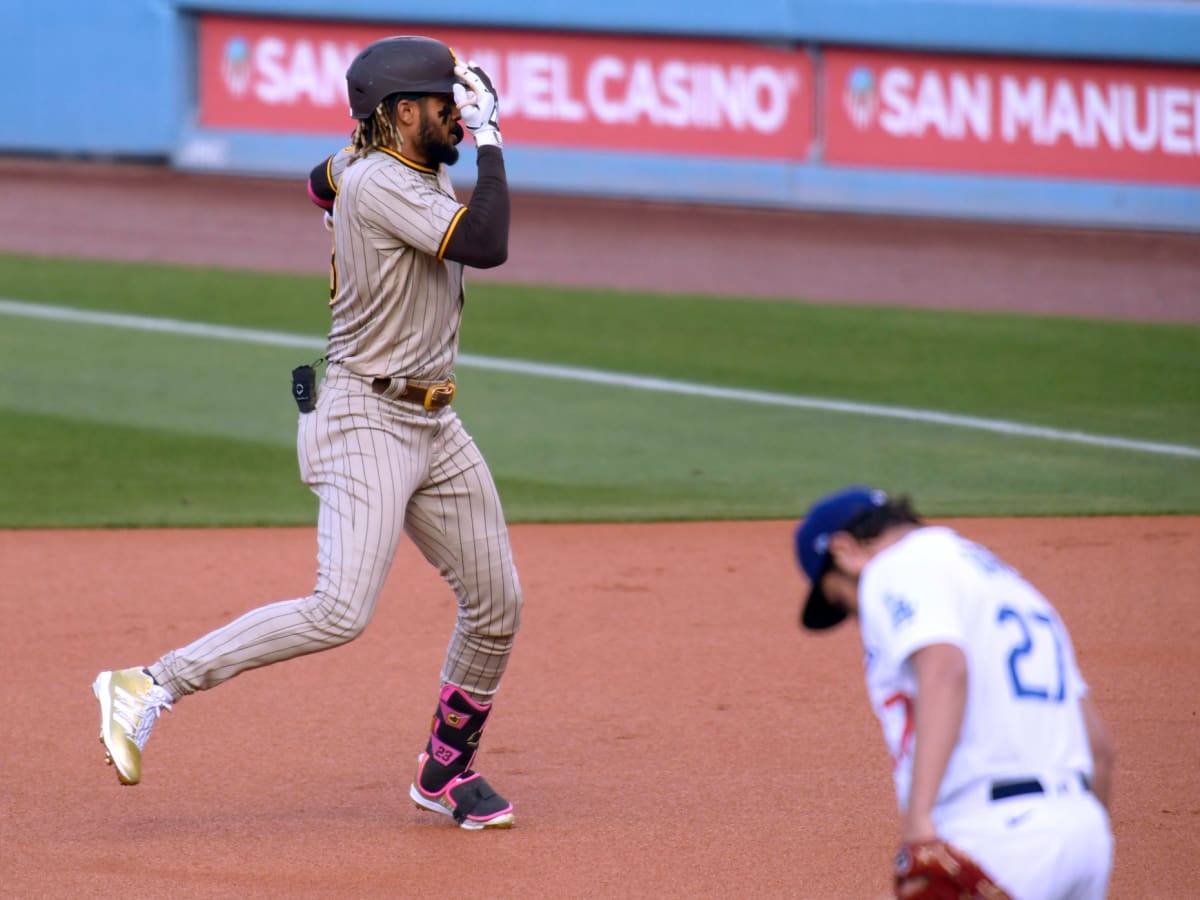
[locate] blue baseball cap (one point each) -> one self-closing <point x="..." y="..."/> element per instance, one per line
<point x="829" y="515"/>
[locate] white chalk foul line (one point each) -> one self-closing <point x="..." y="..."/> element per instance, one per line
<point x="595" y="376"/>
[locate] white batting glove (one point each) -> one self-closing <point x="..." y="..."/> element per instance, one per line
<point x="477" y="102"/>
<point x="329" y="221"/>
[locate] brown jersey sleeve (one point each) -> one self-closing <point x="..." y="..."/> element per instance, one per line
<point x="479" y="237"/>
<point x="321" y="189"/>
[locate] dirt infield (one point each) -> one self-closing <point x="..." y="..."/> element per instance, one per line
<point x="664" y="730"/>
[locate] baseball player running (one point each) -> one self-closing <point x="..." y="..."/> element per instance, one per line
<point x="1003" y="766"/>
<point x="381" y="445"/>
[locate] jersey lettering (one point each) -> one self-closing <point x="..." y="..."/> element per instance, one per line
<point x="1020" y="717"/>
<point x="1036" y="635"/>
<point x="900" y="608"/>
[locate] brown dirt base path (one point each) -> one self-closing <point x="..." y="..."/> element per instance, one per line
<point x="664" y="730"/>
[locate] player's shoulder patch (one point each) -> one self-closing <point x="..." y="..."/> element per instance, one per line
<point x="899" y="608"/>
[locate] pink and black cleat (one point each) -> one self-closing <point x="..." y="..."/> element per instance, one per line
<point x="444" y="782"/>
<point x="467" y="798"/>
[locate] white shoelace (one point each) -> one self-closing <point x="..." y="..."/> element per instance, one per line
<point x="137" y="715"/>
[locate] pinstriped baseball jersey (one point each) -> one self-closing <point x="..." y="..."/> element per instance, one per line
<point x="380" y="445"/>
<point x="380" y="465"/>
<point x="335" y="166"/>
<point x="396" y="303"/>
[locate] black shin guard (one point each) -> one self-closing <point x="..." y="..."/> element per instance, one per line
<point x="454" y="738"/>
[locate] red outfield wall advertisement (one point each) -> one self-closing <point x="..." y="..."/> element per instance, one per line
<point x="1083" y="120"/>
<point x="722" y="98"/>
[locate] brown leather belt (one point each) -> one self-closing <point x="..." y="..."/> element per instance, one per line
<point x="430" y="396"/>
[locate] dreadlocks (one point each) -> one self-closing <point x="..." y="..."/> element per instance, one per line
<point x="379" y="130"/>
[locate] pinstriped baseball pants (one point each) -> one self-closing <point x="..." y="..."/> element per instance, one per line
<point x="379" y="467"/>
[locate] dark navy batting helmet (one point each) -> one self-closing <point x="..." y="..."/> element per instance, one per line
<point x="406" y="64"/>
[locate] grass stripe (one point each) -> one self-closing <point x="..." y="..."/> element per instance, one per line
<point x="594" y="376"/>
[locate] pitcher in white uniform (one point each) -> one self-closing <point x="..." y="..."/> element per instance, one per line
<point x="998" y="749"/>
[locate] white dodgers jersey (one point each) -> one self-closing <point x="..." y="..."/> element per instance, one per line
<point x="1022" y="717"/>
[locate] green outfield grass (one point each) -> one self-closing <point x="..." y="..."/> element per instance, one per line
<point x="102" y="425"/>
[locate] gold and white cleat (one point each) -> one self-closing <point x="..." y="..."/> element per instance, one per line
<point x="130" y="703"/>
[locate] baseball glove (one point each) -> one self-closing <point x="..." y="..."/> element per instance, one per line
<point x="935" y="870"/>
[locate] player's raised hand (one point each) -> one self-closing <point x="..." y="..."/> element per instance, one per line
<point x="477" y="102"/>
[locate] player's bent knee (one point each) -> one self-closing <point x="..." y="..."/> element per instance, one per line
<point x="491" y="609"/>
<point x="500" y="618"/>
<point x="339" y="620"/>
